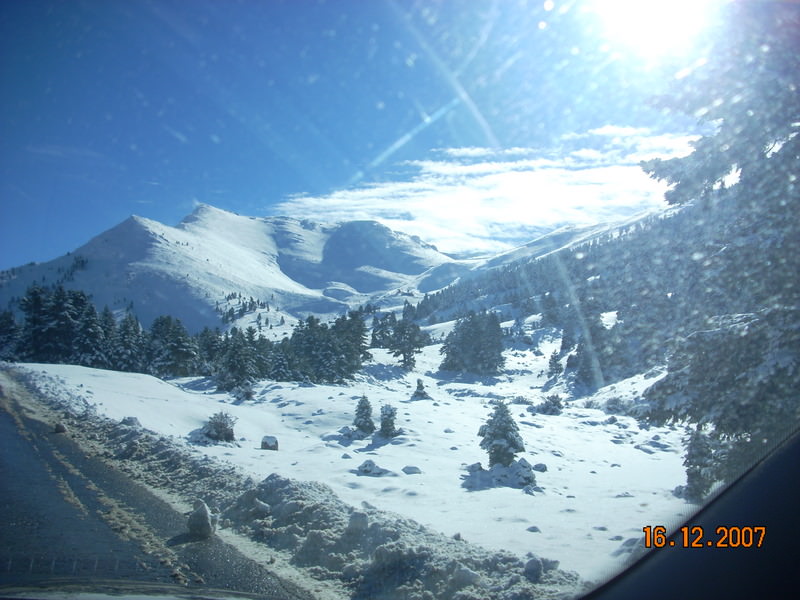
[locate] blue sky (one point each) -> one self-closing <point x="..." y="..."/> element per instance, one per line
<point x="402" y="111"/>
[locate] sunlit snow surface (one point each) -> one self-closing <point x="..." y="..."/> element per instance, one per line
<point x="603" y="483"/>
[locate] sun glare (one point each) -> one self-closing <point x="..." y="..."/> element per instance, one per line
<point x="653" y="29"/>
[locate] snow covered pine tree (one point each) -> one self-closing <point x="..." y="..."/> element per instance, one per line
<point x="363" y="421"/>
<point x="501" y="437"/>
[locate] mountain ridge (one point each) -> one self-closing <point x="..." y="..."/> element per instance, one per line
<point x="297" y="266"/>
<point x="189" y="269"/>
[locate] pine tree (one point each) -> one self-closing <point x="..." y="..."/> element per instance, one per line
<point x="406" y="341"/>
<point x="699" y="466"/>
<point x="34" y="339"/>
<point x="171" y="351"/>
<point x="209" y="346"/>
<point x="363" y="421"/>
<point x="747" y="93"/>
<point x="90" y="340"/>
<point x="9" y="335"/>
<point x="60" y="327"/>
<point x="128" y="348"/>
<point x="236" y="366"/>
<point x="475" y="345"/>
<point x="351" y="335"/>
<point x="554" y="367"/>
<point x="388" y="415"/>
<point x="383" y="330"/>
<point x="109" y="326"/>
<point x="280" y="362"/>
<point x="500" y="437"/>
<point x="409" y="312"/>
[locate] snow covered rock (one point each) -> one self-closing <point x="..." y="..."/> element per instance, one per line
<point x="261" y="509"/>
<point x="464" y="577"/>
<point x="358" y="523"/>
<point x="533" y="569"/>
<point x="60" y="428"/>
<point x="201" y="523"/>
<point x="519" y="474"/>
<point x="269" y="442"/>
<point x="131" y="422"/>
<point x="368" y="467"/>
<point x="420" y="393"/>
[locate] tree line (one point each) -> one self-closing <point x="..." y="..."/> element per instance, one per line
<point x="63" y="326"/>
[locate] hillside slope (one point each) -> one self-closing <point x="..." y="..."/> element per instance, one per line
<point x="296" y="265"/>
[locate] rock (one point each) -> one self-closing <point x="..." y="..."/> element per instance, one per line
<point x="518" y="474"/>
<point x="269" y="442"/>
<point x="358" y="523"/>
<point x="368" y="467"/>
<point x="60" y="428"/>
<point x="261" y="509"/>
<point x="541" y="467"/>
<point x="534" y="529"/>
<point x="533" y="570"/>
<point x="131" y="422"/>
<point x="548" y="564"/>
<point x="464" y="576"/>
<point x="412" y="470"/>
<point x="201" y="522"/>
<point x="420" y="393"/>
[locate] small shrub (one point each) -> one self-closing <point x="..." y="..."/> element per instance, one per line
<point x="220" y="427"/>
<point x="521" y="400"/>
<point x="552" y="405"/>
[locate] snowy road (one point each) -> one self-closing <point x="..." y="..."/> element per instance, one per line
<point x="69" y="517"/>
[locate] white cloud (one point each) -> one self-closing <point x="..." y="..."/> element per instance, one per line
<point x="484" y="200"/>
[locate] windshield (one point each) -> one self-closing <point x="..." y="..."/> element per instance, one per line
<point x="389" y="299"/>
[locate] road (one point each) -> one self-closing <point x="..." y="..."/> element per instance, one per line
<point x="68" y="517"/>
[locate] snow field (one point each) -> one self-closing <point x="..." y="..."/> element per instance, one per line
<point x="605" y="478"/>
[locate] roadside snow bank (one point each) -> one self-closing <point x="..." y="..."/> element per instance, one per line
<point x="380" y="555"/>
<point x="365" y="552"/>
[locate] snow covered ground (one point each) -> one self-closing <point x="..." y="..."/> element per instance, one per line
<point x="605" y="477"/>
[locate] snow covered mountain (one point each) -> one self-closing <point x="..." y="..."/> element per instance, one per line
<point x="297" y="266"/>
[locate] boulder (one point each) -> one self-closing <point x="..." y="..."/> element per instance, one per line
<point x="533" y="570"/>
<point x="269" y="442"/>
<point x="260" y="509"/>
<point x="201" y="523"/>
<point x="464" y="576"/>
<point x="131" y="422"/>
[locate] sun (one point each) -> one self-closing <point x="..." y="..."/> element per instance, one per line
<point x="654" y="29"/>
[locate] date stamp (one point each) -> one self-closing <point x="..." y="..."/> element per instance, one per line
<point x="724" y="536"/>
